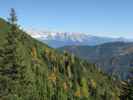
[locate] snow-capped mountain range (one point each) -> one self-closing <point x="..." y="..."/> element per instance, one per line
<point x="60" y="39"/>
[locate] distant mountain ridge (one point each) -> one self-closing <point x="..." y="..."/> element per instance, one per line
<point x="60" y="39"/>
<point x="115" y="58"/>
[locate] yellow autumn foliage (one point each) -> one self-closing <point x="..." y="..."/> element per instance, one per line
<point x="65" y="86"/>
<point x="52" y="77"/>
<point x="34" y="53"/>
<point x="77" y="93"/>
<point x="93" y="83"/>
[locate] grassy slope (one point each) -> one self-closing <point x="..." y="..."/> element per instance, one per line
<point x="88" y="71"/>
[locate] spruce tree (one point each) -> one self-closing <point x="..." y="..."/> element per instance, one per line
<point x="11" y="68"/>
<point x="11" y="46"/>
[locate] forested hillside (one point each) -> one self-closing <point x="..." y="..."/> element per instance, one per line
<point x="30" y="70"/>
<point x="114" y="58"/>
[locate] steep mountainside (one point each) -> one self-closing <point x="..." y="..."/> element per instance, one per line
<point x="60" y="39"/>
<point x="44" y="74"/>
<point x="115" y="58"/>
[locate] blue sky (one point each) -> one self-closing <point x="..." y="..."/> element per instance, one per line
<point x="97" y="17"/>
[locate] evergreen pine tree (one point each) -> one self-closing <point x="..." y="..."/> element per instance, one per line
<point x="11" y="68"/>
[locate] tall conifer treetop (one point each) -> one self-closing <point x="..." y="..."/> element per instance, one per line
<point x="13" y="18"/>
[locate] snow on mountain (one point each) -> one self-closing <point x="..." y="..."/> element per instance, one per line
<point x="57" y="35"/>
<point x="59" y="39"/>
